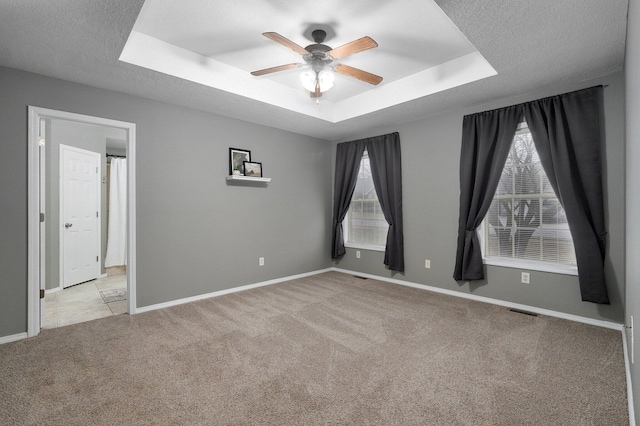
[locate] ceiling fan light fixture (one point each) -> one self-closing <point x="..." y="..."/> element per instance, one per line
<point x="308" y="79"/>
<point x="324" y="77"/>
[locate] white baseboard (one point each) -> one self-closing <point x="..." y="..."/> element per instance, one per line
<point x="102" y="276"/>
<point x="541" y="311"/>
<point x="627" y="369"/>
<point x="13" y="338"/>
<point x="53" y="290"/>
<point x="227" y="291"/>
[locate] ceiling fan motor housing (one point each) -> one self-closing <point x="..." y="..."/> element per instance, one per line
<point x="317" y="56"/>
<point x="319" y="36"/>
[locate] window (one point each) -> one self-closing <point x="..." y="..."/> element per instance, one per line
<point x="365" y="225"/>
<point x="526" y="225"/>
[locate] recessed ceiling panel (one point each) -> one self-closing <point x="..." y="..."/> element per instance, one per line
<point x="218" y="44"/>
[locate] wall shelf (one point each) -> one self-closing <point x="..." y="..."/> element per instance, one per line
<point x="248" y="178"/>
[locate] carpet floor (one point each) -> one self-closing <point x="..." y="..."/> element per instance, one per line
<point x="327" y="349"/>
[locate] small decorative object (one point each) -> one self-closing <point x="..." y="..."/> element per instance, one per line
<point x="236" y="172"/>
<point x="252" y="169"/>
<point x="237" y="157"/>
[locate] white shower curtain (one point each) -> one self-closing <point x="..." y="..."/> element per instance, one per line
<point x="117" y="229"/>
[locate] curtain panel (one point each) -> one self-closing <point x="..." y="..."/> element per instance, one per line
<point x="386" y="169"/>
<point x="566" y="133"/>
<point x="348" y="156"/>
<point x="486" y="140"/>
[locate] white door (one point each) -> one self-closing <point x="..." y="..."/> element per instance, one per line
<point x="79" y="207"/>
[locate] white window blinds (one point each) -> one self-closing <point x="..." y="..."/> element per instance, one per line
<point x="526" y="220"/>
<point x="366" y="225"/>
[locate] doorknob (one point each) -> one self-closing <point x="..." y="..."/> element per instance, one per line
<point x="68" y="225"/>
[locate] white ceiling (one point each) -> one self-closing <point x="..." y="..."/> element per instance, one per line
<point x="530" y="44"/>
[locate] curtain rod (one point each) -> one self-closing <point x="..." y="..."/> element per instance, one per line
<point x="540" y="99"/>
<point x="116" y="156"/>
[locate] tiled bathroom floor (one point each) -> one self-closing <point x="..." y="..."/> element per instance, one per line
<point x="82" y="302"/>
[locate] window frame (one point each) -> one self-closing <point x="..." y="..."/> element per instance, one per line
<point x="532" y="265"/>
<point x="361" y="246"/>
<point x="515" y="263"/>
<point x="345" y="225"/>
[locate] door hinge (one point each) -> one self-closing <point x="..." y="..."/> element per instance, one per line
<point x="97" y="259"/>
<point x="41" y="293"/>
<point x="96" y="170"/>
<point x="96" y="214"/>
<point x="41" y="217"/>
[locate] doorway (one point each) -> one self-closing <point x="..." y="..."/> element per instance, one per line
<point x="42" y="271"/>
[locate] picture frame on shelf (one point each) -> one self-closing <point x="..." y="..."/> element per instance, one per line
<point x="252" y="169"/>
<point x="237" y="158"/>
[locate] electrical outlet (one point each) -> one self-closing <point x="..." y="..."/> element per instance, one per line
<point x="357" y="254"/>
<point x="526" y="278"/>
<point x="261" y="261"/>
<point x="427" y="264"/>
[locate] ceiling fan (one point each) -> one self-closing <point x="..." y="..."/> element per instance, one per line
<point x="320" y="56"/>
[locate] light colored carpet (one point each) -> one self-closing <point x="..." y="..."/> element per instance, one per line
<point x="328" y="349"/>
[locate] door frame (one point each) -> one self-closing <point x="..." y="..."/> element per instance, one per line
<point x="61" y="206"/>
<point x="35" y="265"/>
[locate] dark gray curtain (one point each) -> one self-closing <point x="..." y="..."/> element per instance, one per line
<point x="386" y="170"/>
<point x="566" y="132"/>
<point x="486" y="140"/>
<point x="348" y="157"/>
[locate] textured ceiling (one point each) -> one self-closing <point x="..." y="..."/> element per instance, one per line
<point x="531" y="45"/>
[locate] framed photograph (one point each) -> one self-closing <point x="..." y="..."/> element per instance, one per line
<point x="252" y="169"/>
<point x="237" y="157"/>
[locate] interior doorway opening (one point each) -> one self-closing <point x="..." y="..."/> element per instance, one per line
<point x="48" y="129"/>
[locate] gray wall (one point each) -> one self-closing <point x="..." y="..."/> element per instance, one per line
<point x="196" y="233"/>
<point x="632" y="72"/>
<point x="199" y="234"/>
<point x="85" y="136"/>
<point x="430" y="169"/>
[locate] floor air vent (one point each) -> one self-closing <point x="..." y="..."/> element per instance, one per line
<point x="518" y="311"/>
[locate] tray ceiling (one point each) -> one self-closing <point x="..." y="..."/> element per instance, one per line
<point x="199" y="41"/>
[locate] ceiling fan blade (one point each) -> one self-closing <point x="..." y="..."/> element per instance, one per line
<point x="286" y="42"/>
<point x="364" y="43"/>
<point x="367" y="77"/>
<point x="275" y="69"/>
